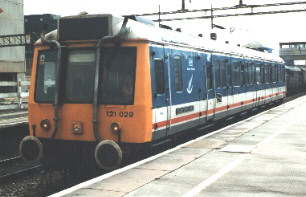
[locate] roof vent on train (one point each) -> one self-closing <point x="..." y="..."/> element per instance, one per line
<point x="87" y="27"/>
<point x="141" y="20"/>
<point x="165" y="27"/>
<point x="258" y="47"/>
<point x="213" y="36"/>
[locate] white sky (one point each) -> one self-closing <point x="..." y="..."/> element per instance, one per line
<point x="267" y="29"/>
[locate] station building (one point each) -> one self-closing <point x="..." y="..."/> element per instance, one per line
<point x="293" y="53"/>
<point x="12" y="58"/>
<point x="33" y="25"/>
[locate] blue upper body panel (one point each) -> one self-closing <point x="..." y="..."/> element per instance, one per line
<point x="194" y="66"/>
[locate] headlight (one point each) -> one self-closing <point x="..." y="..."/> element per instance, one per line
<point x="45" y="124"/>
<point x="115" y="127"/>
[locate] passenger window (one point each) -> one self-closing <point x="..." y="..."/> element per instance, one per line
<point x="223" y="73"/>
<point x="254" y="74"/>
<point x="229" y="75"/>
<point x="262" y="72"/>
<point x="282" y="73"/>
<point x="236" y="73"/>
<point x="274" y="74"/>
<point x="278" y="74"/>
<point x="218" y="79"/>
<point x="246" y="74"/>
<point x="267" y="74"/>
<point x="159" y="76"/>
<point x="251" y="81"/>
<point x="208" y="76"/>
<point x="242" y="74"/>
<point x="178" y="73"/>
<point x="271" y="73"/>
<point x="258" y="74"/>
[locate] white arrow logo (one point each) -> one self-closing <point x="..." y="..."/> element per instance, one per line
<point x="190" y="86"/>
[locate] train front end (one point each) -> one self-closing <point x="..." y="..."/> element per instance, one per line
<point x="90" y="99"/>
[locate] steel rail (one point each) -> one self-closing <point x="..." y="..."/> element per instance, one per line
<point x="19" y="172"/>
<point x="9" y="160"/>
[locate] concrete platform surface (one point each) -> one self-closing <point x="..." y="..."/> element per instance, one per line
<point x="264" y="155"/>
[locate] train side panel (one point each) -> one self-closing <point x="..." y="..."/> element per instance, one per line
<point x="196" y="87"/>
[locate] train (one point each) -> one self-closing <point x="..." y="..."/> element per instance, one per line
<point x="105" y="87"/>
<point x="295" y="78"/>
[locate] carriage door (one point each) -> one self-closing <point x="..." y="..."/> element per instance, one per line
<point x="224" y="87"/>
<point x="236" y="79"/>
<point x="244" y="87"/>
<point x="230" y="88"/>
<point x="220" y="92"/>
<point x="246" y="83"/>
<point x="211" y="94"/>
<point x="202" y="62"/>
<point x="252" y="84"/>
<point x="162" y="92"/>
<point x="269" y="90"/>
<point x="259" y="84"/>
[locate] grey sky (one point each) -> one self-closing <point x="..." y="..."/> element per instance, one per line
<point x="269" y="29"/>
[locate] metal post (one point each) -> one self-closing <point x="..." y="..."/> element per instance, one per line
<point x="19" y="94"/>
<point x="158" y="15"/>
<point x="211" y="17"/>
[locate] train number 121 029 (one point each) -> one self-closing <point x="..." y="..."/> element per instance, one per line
<point x="122" y="114"/>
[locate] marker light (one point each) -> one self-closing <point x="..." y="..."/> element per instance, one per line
<point x="115" y="127"/>
<point x="45" y="124"/>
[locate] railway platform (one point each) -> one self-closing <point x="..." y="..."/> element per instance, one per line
<point x="264" y="155"/>
<point x="13" y="118"/>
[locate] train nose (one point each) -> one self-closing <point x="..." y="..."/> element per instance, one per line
<point x="30" y="149"/>
<point x="108" y="155"/>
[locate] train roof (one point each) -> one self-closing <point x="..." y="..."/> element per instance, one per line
<point x="141" y="29"/>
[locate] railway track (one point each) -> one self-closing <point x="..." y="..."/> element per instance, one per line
<point x="14" y="167"/>
<point x="9" y="160"/>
